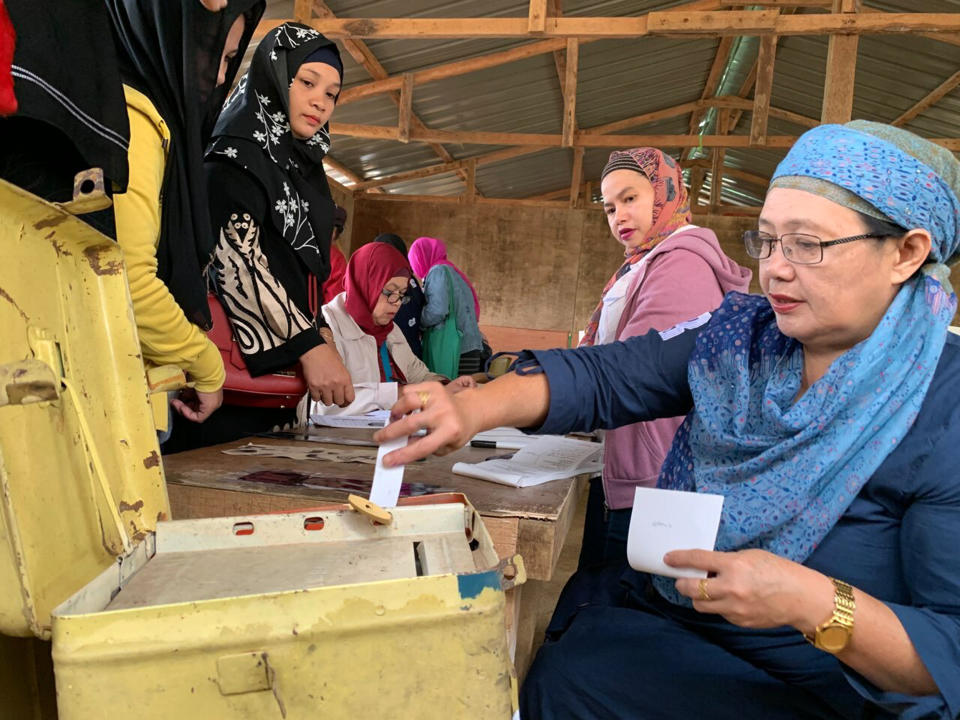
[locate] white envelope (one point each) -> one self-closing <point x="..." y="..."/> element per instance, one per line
<point x="665" y="520"/>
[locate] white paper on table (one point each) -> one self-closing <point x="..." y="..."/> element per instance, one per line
<point x="385" y="490"/>
<point x="508" y="438"/>
<point x="547" y="458"/>
<point x="376" y="419"/>
<point x="368" y="398"/>
<point x="665" y="520"/>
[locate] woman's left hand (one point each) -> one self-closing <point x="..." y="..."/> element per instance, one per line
<point x="461" y="383"/>
<point x="755" y="588"/>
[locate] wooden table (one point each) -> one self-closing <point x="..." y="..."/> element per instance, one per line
<point x="531" y="521"/>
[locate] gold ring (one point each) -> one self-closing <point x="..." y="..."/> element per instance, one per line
<point x="702" y="585"/>
<point x="424" y="397"/>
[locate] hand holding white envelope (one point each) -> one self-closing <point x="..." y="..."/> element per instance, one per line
<point x="665" y="520"/>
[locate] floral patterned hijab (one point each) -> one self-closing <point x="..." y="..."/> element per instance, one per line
<point x="254" y="133"/>
<point x="671" y="211"/>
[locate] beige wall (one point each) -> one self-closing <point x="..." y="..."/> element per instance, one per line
<point x="541" y="268"/>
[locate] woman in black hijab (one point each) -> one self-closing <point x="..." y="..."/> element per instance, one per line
<point x="273" y="215"/>
<point x="408" y="316"/>
<point x="177" y="61"/>
<point x="66" y="121"/>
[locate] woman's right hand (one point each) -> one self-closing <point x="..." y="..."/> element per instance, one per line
<point x="327" y="379"/>
<point x="447" y="419"/>
<point x="197" y="406"/>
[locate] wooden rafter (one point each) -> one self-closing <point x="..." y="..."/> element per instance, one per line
<point x="468" y="137"/>
<point x="675" y="23"/>
<point x="482" y="62"/>
<point x="406" y="107"/>
<point x="456" y="165"/>
<point x="717" y="159"/>
<point x="360" y="52"/>
<point x="930" y="99"/>
<point x="763" y="89"/>
<point x="841" y="69"/>
<point x="728" y="102"/>
<point x="570" y="92"/>
<point x="470" y="192"/>
<point x="719" y="64"/>
<point x="339" y="167"/>
<point x="537" y="17"/>
<point x="576" y="177"/>
<point x="555" y="9"/>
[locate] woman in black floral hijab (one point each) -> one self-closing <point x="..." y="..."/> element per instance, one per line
<point x="272" y="216"/>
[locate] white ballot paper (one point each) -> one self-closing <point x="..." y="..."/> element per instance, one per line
<point x="373" y="419"/>
<point x="385" y="490"/>
<point x="665" y="520"/>
<point x="547" y="458"/>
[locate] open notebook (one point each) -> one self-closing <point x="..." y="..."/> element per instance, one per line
<point x="546" y="458"/>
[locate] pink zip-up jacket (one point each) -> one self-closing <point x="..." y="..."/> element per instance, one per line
<point x="685" y="275"/>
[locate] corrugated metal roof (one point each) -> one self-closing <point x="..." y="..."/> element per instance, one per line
<point x="617" y="79"/>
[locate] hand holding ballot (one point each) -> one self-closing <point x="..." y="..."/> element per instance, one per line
<point x="754" y="588"/>
<point x="451" y="420"/>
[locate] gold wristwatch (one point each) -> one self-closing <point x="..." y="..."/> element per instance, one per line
<point x="833" y="635"/>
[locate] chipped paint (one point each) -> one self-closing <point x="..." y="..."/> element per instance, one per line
<point x="127" y="507"/>
<point x="110" y="267"/>
<point x="6" y="296"/>
<point x="58" y="247"/>
<point x="51" y="221"/>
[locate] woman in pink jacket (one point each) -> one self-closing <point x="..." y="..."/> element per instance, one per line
<point x="673" y="271"/>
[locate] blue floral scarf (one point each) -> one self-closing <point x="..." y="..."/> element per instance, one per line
<point x="788" y="470"/>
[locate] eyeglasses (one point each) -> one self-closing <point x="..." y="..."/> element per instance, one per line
<point x="798" y="248"/>
<point x="395" y="297"/>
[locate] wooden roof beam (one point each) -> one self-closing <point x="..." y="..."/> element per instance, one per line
<point x="482" y="62"/>
<point x="720" y="60"/>
<point x="360" y="52"/>
<point x="545" y="140"/>
<point x="486" y="159"/>
<point x="841" y="69"/>
<point x="570" y="92"/>
<point x="675" y="23"/>
<point x="929" y="100"/>
<point x="339" y="167"/>
<point x="537" y="17"/>
<point x="381" y="132"/>
<point x="405" y="109"/>
<point x="576" y="177"/>
<point x="763" y="89"/>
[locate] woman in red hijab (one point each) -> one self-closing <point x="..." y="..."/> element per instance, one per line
<point x="374" y="350"/>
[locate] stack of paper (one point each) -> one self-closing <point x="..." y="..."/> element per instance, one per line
<point x="376" y="419"/>
<point x="503" y="437"/>
<point x="546" y="458"/>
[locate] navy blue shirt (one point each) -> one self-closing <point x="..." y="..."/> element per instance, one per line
<point x="895" y="542"/>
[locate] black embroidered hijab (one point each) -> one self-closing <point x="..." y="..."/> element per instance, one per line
<point x="170" y="51"/>
<point x="253" y="132"/>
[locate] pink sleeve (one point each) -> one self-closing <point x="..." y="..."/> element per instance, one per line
<point x="679" y="285"/>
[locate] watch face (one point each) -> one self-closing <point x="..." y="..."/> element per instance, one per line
<point x="833" y="638"/>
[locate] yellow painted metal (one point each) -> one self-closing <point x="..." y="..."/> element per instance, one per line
<point x="80" y="474"/>
<point x="81" y="497"/>
<point x="427" y="646"/>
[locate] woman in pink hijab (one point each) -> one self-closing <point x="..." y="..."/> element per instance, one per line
<point x="448" y="290"/>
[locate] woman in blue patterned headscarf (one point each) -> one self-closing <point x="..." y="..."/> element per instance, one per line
<point x="826" y="414"/>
